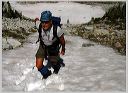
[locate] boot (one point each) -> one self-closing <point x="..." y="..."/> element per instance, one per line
<point x="46" y="75"/>
<point x="45" y="72"/>
<point x="61" y="62"/>
<point x="56" y="68"/>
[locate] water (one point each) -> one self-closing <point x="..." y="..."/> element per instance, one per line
<point x="94" y="68"/>
<point x="76" y="13"/>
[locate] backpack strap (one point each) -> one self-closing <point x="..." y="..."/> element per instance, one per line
<point x="55" y="32"/>
<point x="57" y="42"/>
<point x="39" y="32"/>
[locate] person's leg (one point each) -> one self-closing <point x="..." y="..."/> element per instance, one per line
<point x="55" y="64"/>
<point x="39" y="63"/>
<point x="58" y="65"/>
<point x="39" y="57"/>
<point x="55" y="59"/>
<point x="56" y="68"/>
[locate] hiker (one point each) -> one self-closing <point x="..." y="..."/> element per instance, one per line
<point x="51" y="37"/>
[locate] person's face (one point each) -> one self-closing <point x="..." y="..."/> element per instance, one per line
<point x="46" y="24"/>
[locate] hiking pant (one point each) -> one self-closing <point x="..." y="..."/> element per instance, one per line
<point x="52" y="52"/>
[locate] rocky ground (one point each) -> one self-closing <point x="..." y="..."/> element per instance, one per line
<point x="102" y="34"/>
<point x="15" y="32"/>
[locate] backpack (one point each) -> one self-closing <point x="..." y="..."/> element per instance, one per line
<point x="56" y="21"/>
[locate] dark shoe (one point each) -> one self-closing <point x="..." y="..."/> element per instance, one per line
<point x="45" y="72"/>
<point x="61" y="62"/>
<point x="46" y="75"/>
<point x="56" y="68"/>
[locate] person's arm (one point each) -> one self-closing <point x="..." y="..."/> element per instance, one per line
<point x="62" y="42"/>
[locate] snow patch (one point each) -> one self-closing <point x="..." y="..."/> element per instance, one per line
<point x="20" y="80"/>
<point x="34" y="86"/>
<point x="103" y="59"/>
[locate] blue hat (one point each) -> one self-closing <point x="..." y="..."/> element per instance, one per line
<point x="46" y="16"/>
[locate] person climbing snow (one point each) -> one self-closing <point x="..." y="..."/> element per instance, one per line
<point x="51" y="46"/>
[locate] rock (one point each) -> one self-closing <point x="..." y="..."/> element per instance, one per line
<point x="5" y="45"/>
<point x="10" y="43"/>
<point x="17" y="29"/>
<point x="34" y="30"/>
<point x="87" y="45"/>
<point x="118" y="45"/>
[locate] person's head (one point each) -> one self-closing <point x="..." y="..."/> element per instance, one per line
<point x="46" y="20"/>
